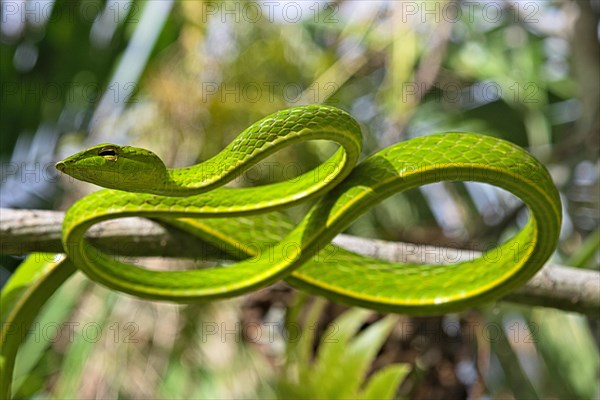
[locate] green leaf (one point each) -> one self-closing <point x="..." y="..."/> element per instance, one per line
<point x="305" y="344"/>
<point x="26" y="275"/>
<point x="54" y="313"/>
<point x="342" y="361"/>
<point x="384" y="382"/>
<point x="361" y="353"/>
<point x="334" y="343"/>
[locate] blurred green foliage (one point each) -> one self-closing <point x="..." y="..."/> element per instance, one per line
<point x="341" y="361"/>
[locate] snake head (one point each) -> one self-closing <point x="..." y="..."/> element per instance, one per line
<point x="116" y="167"/>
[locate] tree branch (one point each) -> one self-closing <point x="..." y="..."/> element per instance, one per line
<point x="26" y="231"/>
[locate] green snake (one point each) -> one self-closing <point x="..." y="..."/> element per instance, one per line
<point x="344" y="191"/>
<point x="248" y="223"/>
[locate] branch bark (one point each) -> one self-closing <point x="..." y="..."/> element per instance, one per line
<point x="26" y="231"/>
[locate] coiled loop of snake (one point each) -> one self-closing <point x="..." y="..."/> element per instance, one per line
<point x="232" y="218"/>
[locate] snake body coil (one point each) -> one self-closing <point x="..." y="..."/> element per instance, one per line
<point x="246" y="221"/>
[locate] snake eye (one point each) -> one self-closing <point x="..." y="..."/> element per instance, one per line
<point x="108" y="152"/>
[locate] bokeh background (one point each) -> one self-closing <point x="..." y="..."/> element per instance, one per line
<point x="183" y="78"/>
